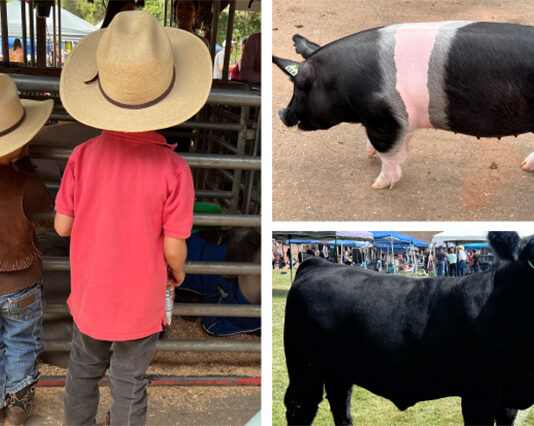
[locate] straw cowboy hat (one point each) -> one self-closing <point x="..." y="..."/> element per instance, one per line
<point x="136" y="75"/>
<point x="20" y="119"/>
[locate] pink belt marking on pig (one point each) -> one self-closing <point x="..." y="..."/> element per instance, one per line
<point x="413" y="46"/>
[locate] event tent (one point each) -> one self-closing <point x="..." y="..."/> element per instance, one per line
<point x="464" y="236"/>
<point x="398" y="239"/>
<point x="73" y="28"/>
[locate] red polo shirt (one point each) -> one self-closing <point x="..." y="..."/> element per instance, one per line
<point x="125" y="191"/>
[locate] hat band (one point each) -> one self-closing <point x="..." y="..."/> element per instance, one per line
<point x="129" y="106"/>
<point x="17" y="124"/>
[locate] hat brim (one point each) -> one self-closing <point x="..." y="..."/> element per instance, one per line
<point x="36" y="114"/>
<point x="87" y="104"/>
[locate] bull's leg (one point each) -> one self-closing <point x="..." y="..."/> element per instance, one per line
<point x="528" y="163"/>
<point x="505" y="416"/>
<point x="302" y="398"/>
<point x="479" y="405"/>
<point x="391" y="170"/>
<point x="338" y="393"/>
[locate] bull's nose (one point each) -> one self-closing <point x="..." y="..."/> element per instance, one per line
<point x="282" y="115"/>
<point x="285" y="117"/>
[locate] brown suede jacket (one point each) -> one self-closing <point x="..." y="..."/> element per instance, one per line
<point x="22" y="193"/>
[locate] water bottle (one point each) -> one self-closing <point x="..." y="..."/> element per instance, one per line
<point x="169" y="301"/>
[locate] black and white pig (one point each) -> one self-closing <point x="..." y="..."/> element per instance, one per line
<point x="475" y="78"/>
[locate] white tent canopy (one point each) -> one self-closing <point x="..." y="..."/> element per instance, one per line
<point x="73" y="28"/>
<point x="465" y="236"/>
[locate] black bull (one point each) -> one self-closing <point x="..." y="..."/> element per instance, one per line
<point x="410" y="340"/>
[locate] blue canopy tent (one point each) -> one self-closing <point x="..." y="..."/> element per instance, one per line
<point x="302" y="242"/>
<point x="395" y="240"/>
<point x="347" y="243"/>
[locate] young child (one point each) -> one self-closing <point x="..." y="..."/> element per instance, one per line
<point x="22" y="193"/>
<point x="126" y="200"/>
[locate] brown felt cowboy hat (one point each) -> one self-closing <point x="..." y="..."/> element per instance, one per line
<point x="20" y="119"/>
<point x="136" y="75"/>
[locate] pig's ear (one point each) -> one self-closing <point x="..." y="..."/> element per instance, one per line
<point x="290" y="67"/>
<point x="304" y="46"/>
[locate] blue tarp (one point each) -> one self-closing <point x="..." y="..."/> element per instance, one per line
<point x="475" y="245"/>
<point x="397" y="238"/>
<point x="346" y="243"/>
<point x="303" y="241"/>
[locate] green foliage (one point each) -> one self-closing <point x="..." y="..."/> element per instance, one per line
<point x="245" y="24"/>
<point x="93" y="13"/>
<point x="156" y="8"/>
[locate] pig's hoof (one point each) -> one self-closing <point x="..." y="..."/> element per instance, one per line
<point x="382" y="182"/>
<point x="528" y="163"/>
<point x="377" y="185"/>
<point x="370" y="150"/>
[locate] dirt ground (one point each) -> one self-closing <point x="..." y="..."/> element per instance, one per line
<point x="326" y="175"/>
<point x="177" y="405"/>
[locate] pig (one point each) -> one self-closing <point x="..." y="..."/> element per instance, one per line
<point x="474" y="78"/>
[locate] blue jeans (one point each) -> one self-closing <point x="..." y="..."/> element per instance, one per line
<point x="21" y="316"/>
<point x="441" y="268"/>
<point x="461" y="268"/>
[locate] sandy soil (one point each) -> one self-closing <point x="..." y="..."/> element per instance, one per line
<point x="177" y="405"/>
<point x="326" y="175"/>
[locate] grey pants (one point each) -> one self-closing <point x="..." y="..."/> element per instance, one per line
<point x="128" y="363"/>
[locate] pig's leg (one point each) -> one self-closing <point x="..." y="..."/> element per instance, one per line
<point x="528" y="163"/>
<point x="370" y="150"/>
<point x="391" y="170"/>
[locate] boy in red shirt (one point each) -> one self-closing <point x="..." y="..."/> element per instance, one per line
<point x="126" y="200"/>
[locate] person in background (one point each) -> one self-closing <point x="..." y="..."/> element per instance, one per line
<point x="235" y="74"/>
<point x="15" y="53"/>
<point x="250" y="69"/>
<point x="453" y="259"/>
<point x="116" y="6"/>
<point x="186" y="13"/>
<point x="462" y="260"/>
<point x="441" y="258"/>
<point x="476" y="261"/>
<point x="470" y="260"/>
<point x="22" y="193"/>
<point x="218" y="62"/>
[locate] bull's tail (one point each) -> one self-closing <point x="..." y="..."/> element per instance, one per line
<point x="304" y="363"/>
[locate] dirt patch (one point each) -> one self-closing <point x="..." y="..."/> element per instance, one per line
<point x="176" y="405"/>
<point x="326" y="175"/>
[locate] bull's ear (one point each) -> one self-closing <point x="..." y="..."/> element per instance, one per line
<point x="527" y="250"/>
<point x="304" y="46"/>
<point x="505" y="243"/>
<point x="290" y="67"/>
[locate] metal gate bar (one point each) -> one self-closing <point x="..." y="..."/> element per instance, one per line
<point x="176" y="346"/>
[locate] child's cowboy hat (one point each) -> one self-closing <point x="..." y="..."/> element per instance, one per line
<point x="136" y="75"/>
<point x="20" y="120"/>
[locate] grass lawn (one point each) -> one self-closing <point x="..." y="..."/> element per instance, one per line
<point x="367" y="408"/>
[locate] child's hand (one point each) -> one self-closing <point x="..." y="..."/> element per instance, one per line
<point x="176" y="277"/>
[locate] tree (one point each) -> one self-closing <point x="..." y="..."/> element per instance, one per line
<point x="245" y="24"/>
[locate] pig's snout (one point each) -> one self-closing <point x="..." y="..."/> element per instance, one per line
<point x="287" y="117"/>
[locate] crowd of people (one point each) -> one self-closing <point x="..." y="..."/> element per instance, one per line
<point x="451" y="262"/>
<point x="454" y="263"/>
